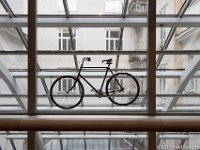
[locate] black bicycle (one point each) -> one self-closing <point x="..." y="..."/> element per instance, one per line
<point x="121" y="88"/>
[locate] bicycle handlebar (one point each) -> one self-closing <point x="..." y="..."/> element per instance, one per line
<point x="86" y="59"/>
<point x="108" y="61"/>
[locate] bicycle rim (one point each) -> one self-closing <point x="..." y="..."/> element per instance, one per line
<point x="66" y="92"/>
<point x="122" y="89"/>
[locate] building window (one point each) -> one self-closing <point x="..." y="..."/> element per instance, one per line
<point x="163" y="84"/>
<point x="112" y="40"/>
<point x="65" y="85"/>
<point x="114" y="6"/>
<point x="64" y="41"/>
<point x="72" y="4"/>
<point x="114" y="85"/>
<point x="163" y="29"/>
<point x="193" y="84"/>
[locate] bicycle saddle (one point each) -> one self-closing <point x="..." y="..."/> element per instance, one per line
<point x="108" y="61"/>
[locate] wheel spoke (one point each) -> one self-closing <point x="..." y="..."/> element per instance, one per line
<point x="122" y="89"/>
<point x="66" y="92"/>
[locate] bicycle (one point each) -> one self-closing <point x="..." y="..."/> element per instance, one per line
<point x="121" y="89"/>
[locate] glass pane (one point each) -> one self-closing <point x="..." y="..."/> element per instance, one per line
<point x="64" y="44"/>
<point x="171" y="7"/>
<point x="114" y="34"/>
<point x="138" y="7"/>
<point x="193" y="9"/>
<point x="17" y="6"/>
<point x="70" y="44"/>
<point x="178" y="140"/>
<point x="13" y="68"/>
<point x="112" y="45"/>
<point x="96" y="140"/>
<point x="13" y="140"/>
<point x="177" y="77"/>
<point x="59" y="44"/>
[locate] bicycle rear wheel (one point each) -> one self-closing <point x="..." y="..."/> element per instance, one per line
<point x="66" y="92"/>
<point x="122" y="89"/>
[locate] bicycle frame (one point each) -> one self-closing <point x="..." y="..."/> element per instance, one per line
<point x="107" y="69"/>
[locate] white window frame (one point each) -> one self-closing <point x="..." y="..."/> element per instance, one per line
<point x="163" y="82"/>
<point x="110" y="7"/>
<point x="67" y="38"/>
<point x="193" y="84"/>
<point x="163" y="34"/>
<point x="109" y="39"/>
<point x="121" y="83"/>
<point x="72" y="4"/>
<point x="61" y="85"/>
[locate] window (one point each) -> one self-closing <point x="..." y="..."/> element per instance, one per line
<point x="72" y="4"/>
<point x="114" y="6"/>
<point x="163" y="29"/>
<point x="112" y="40"/>
<point x="64" y="41"/>
<point x="113" y="84"/>
<point x="163" y="84"/>
<point x="192" y="86"/>
<point x="65" y="85"/>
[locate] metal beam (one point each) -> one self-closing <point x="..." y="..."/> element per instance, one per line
<point x="92" y="95"/>
<point x="100" y="74"/>
<point x="94" y="110"/>
<point x="101" y="52"/>
<point x="100" y="136"/>
<point x="102" y="22"/>
<point x="183" y="9"/>
<point x="189" y="72"/>
<point x="100" y="123"/>
<point x="7" y="8"/>
<point x="124" y="12"/>
<point x="67" y="13"/>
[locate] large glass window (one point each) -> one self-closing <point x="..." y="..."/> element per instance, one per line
<point x="172" y="80"/>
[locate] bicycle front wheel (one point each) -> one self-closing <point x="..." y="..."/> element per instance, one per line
<point x="66" y="92"/>
<point x="122" y="89"/>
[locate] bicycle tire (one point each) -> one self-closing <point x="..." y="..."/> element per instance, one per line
<point x="120" y="98"/>
<point x="66" y="101"/>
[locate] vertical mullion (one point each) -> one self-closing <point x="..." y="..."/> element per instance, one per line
<point x="151" y="83"/>
<point x="151" y="60"/>
<point x="32" y="68"/>
<point x="32" y="57"/>
<point x="152" y="141"/>
<point x="31" y="140"/>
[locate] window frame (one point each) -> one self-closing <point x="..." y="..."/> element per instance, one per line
<point x="67" y="38"/>
<point x="115" y="48"/>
